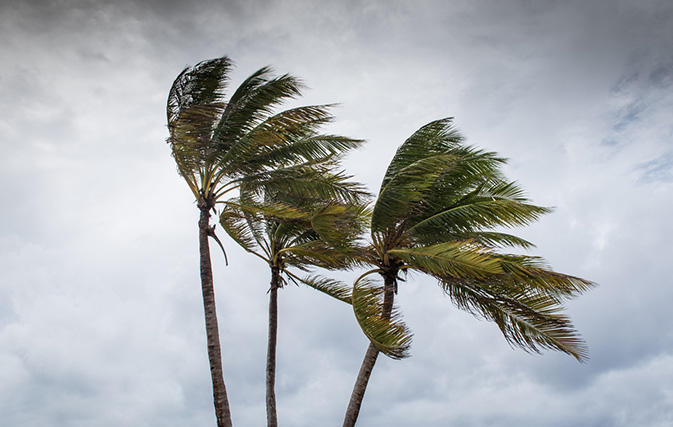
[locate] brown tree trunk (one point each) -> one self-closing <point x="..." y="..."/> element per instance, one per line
<point x="358" y="394"/>
<point x="271" y="416"/>
<point x="360" y="386"/>
<point x="221" y="401"/>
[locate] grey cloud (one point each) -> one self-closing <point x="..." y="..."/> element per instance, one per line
<point x="100" y="311"/>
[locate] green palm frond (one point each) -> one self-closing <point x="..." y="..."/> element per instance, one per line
<point x="473" y="171"/>
<point x="487" y="239"/>
<point x="406" y="191"/>
<point x="261" y="145"/>
<point x="476" y="215"/>
<point x="252" y="102"/>
<point x="209" y="135"/>
<point x="247" y="214"/>
<point x="279" y="210"/>
<point x="315" y="148"/>
<point x="285" y="233"/>
<point x="388" y="334"/>
<point x="202" y="84"/>
<point x="529" y="320"/>
<point x="288" y="126"/>
<point x="195" y="102"/>
<point x="449" y="259"/>
<point x="435" y="138"/>
<point x="313" y="254"/>
<point x="341" y="225"/>
<point x="331" y="287"/>
<point x="234" y="223"/>
<point x="533" y="273"/>
<point x="319" y="182"/>
<point x="189" y="141"/>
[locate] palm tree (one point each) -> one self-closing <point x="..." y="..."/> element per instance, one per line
<point x="311" y="224"/>
<point x="222" y="144"/>
<point x="438" y="212"/>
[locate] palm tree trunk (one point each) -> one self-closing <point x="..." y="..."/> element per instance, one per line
<point x="221" y="401"/>
<point x="358" y="394"/>
<point x="271" y="416"/>
<point x="360" y="386"/>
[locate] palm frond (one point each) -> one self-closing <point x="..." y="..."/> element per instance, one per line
<point x="406" y="191"/>
<point x="435" y="138"/>
<point x="234" y="223"/>
<point x="252" y="103"/>
<point x="389" y="335"/>
<point x="533" y="273"/>
<point x="254" y="149"/>
<point x="341" y="225"/>
<point x="314" y="254"/>
<point x="449" y="259"/>
<point x="529" y="320"/>
<point x="314" y="148"/>
<point x="279" y="210"/>
<point x="486" y="239"/>
<point x="306" y="181"/>
<point x="190" y="135"/>
<point x="331" y="287"/>
<point x="479" y="214"/>
<point x="202" y="84"/>
<point x="472" y="171"/>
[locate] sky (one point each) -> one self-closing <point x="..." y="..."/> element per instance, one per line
<point x="101" y="320"/>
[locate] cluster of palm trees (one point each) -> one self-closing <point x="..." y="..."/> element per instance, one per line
<point x="274" y="180"/>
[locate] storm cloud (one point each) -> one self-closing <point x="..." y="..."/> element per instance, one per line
<point x="101" y="320"/>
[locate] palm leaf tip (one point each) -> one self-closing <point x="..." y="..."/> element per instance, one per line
<point x="556" y="335"/>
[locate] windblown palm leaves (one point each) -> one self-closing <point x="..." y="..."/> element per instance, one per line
<point x="438" y="210"/>
<point x="222" y="146"/>
<point x="310" y="223"/>
<point x="441" y="210"/>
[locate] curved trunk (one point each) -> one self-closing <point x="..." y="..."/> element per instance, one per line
<point x="390" y="286"/>
<point x="221" y="401"/>
<point x="271" y="416"/>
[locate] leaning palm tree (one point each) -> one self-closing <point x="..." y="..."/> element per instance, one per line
<point x="440" y="211"/>
<point x="310" y="224"/>
<point x="221" y="144"/>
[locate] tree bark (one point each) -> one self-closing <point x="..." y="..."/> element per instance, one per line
<point x="360" y="386"/>
<point x="271" y="415"/>
<point x="221" y="401"/>
<point x="358" y="394"/>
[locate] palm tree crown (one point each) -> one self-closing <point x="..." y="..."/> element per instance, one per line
<point x="221" y="144"/>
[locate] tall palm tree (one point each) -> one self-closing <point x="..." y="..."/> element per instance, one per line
<point x="438" y="212"/>
<point x="311" y="224"/>
<point x="221" y="144"/>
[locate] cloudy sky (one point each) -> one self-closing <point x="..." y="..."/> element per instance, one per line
<point x="101" y="322"/>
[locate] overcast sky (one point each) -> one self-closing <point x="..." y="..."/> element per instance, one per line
<point x="101" y="322"/>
